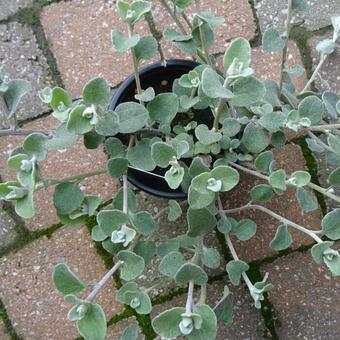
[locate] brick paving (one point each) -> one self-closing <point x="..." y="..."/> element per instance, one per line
<point x="304" y="303"/>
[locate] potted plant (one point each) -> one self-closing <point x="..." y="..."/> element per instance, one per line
<point x="182" y="130"/>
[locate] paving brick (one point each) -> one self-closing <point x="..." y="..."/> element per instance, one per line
<point x="35" y="308"/>
<point x="167" y="230"/>
<point x="330" y="70"/>
<point x="8" y="232"/>
<point x="115" y="331"/>
<point x="291" y="159"/>
<point x="74" y="161"/>
<point x="87" y="39"/>
<point x="23" y="59"/>
<point x="247" y="320"/>
<point x="9" y="7"/>
<point x="272" y="13"/>
<point x="3" y="332"/>
<point x="305" y="298"/>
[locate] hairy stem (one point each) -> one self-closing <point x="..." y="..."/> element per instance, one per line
<point x="125" y="194"/>
<point x="188" y="305"/>
<point x="102" y="282"/>
<point x="324" y="128"/>
<point x="310" y="185"/>
<point x="278" y="217"/>
<point x="165" y="4"/>
<point x="288" y="27"/>
<point x="316" y="71"/>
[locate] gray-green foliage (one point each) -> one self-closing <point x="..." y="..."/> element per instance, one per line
<point x="161" y="130"/>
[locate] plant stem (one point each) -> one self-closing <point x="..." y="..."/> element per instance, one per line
<point x="324" y="128"/>
<point x="319" y="141"/>
<point x="310" y="185"/>
<point x="165" y="4"/>
<point x="288" y="27"/>
<point x="102" y="282"/>
<point x="220" y="106"/>
<point x="135" y="65"/>
<point x="203" y="294"/>
<point x="53" y="181"/>
<point x="278" y="217"/>
<point x="10" y="132"/>
<point x="125" y="194"/>
<point x="188" y="305"/>
<point x="186" y="19"/>
<point x="316" y="71"/>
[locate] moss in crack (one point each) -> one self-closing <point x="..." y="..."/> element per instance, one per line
<point x="31" y="17"/>
<point x="127" y="313"/>
<point x="144" y="322"/>
<point x="312" y="166"/>
<point x="224" y="248"/>
<point x="257" y="39"/>
<point x="7" y="322"/>
<point x="267" y="309"/>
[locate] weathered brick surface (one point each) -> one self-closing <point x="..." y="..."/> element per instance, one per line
<point x="305" y="298"/>
<point x="247" y="320"/>
<point x="3" y="332"/>
<point x="36" y="309"/>
<point x="330" y="70"/>
<point x="290" y="159"/>
<point x="9" y="7"/>
<point x="273" y="13"/>
<point x="23" y="59"/>
<point x="8" y="232"/>
<point x="74" y="161"/>
<point x="80" y="31"/>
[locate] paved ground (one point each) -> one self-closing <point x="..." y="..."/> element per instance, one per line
<point x="66" y="43"/>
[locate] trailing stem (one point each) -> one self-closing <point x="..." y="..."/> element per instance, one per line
<point x="188" y="305"/>
<point x="313" y="186"/>
<point x="220" y="106"/>
<point x="278" y="217"/>
<point x="102" y="282"/>
<point x="288" y="27"/>
<point x="10" y="132"/>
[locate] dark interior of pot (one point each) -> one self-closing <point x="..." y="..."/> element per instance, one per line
<point x="161" y="78"/>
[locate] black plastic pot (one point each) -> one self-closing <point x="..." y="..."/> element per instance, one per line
<point x="161" y="78"/>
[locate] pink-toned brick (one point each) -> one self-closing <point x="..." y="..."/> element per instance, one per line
<point x="79" y="34"/>
<point x="36" y="308"/>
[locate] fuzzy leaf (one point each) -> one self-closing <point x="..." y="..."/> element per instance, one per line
<point x="97" y="91"/>
<point x="272" y="41"/>
<point x="132" y="117"/>
<point x="191" y="272"/>
<point x="35" y="144"/>
<point x="114" y="147"/>
<point x="77" y="123"/>
<point x="334" y="178"/>
<point x="311" y="107"/>
<point x="209" y="325"/>
<point x="239" y="48"/>
<point x="255" y="138"/>
<point x="277" y="179"/>
<point x="170" y="263"/>
<point x="66" y="281"/>
<point x="93" y="325"/>
<point x="144" y="223"/>
<point x="211" y="258"/>
<point x="244" y="229"/>
<point x="146" y="48"/>
<point x="131" y="332"/>
<point x="117" y="167"/>
<point x="306" y="199"/>
<point x="146" y="95"/>
<point x="235" y="268"/>
<point x="133" y="265"/>
<point x="146" y="249"/>
<point x="331" y="224"/>
<point x="121" y="43"/>
<point x="110" y="220"/>
<point x="263" y="161"/>
<point x="200" y="222"/>
<point x="133" y="12"/>
<point x="330" y="100"/>
<point x="163" y="108"/>
<point x="206" y="136"/>
<point x="162" y="154"/>
<point x="261" y="192"/>
<point x="139" y="156"/>
<point x="108" y="124"/>
<point x="212" y="86"/>
<point x="224" y="309"/>
<point x="247" y="91"/>
<point x="175" y="211"/>
<point x="166" y="324"/>
<point x="67" y="197"/>
<point x="282" y="240"/>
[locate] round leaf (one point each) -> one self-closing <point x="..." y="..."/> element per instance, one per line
<point x="144" y="223"/>
<point x="162" y="154"/>
<point x="311" y="107"/>
<point x="191" y="272"/>
<point x="170" y="263"/>
<point x="235" y="268"/>
<point x="163" y="108"/>
<point x="132" y="117"/>
<point x="67" y="197"/>
<point x="247" y="90"/>
<point x="261" y="192"/>
<point x="282" y="240"/>
<point x="167" y="323"/>
<point x="117" y="167"/>
<point x="255" y="138"/>
<point x="244" y="229"/>
<point x="133" y="265"/>
<point x="200" y="222"/>
<point x="272" y="41"/>
<point x="97" y="92"/>
<point x="239" y="48"/>
<point x="66" y="281"/>
<point x="331" y="224"/>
